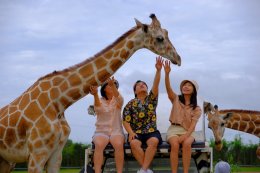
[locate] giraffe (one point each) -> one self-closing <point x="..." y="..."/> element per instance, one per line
<point x="33" y="127"/>
<point x="241" y="120"/>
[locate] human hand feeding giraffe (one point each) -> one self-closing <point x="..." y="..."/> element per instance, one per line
<point x="159" y="63"/>
<point x="93" y="90"/>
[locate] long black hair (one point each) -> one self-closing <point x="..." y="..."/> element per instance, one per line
<point x="193" y="98"/>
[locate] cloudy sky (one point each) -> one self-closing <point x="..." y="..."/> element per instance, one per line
<point x="219" y="42"/>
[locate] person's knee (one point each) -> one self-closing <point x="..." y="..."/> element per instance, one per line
<point x="174" y="144"/>
<point x="153" y="142"/>
<point x="186" y="144"/>
<point x="117" y="141"/>
<point x="135" y="144"/>
<point x="99" y="145"/>
<point x="118" y="145"/>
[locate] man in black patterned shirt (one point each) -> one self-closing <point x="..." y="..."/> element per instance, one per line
<point x="139" y="120"/>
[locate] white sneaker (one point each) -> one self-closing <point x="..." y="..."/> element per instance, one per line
<point x="149" y="171"/>
<point x="141" y="171"/>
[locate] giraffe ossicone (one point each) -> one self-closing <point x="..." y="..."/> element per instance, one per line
<point x="242" y="120"/>
<point x="33" y="127"/>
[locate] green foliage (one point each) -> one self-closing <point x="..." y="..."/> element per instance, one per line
<point x="236" y="153"/>
<point x="73" y="154"/>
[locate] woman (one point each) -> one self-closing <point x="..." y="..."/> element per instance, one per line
<point x="184" y="116"/>
<point x="109" y="123"/>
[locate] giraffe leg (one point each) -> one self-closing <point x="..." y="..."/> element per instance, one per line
<point x="36" y="162"/>
<point x="5" y="167"/>
<point x="54" y="163"/>
<point x="40" y="154"/>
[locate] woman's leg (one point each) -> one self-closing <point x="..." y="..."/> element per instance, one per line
<point x="174" y="155"/>
<point x="186" y="153"/>
<point x="100" y="144"/>
<point x="118" y="144"/>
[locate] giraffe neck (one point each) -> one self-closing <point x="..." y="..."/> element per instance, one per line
<point x="71" y="84"/>
<point x="244" y="121"/>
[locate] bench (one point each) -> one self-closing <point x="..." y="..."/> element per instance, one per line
<point x="201" y="154"/>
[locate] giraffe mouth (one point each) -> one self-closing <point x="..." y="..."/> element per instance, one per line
<point x="176" y="60"/>
<point x="218" y="145"/>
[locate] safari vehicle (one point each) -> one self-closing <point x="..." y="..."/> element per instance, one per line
<point x="202" y="157"/>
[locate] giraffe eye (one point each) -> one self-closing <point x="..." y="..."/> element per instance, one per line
<point x="222" y="124"/>
<point x="160" y="39"/>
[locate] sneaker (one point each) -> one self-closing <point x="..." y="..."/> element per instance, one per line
<point x="141" y="171"/>
<point x="149" y="171"/>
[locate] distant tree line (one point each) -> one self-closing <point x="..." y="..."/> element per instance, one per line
<point x="73" y="154"/>
<point x="235" y="152"/>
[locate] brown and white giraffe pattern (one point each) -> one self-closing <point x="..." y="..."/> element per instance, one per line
<point x="241" y="120"/>
<point x="33" y="128"/>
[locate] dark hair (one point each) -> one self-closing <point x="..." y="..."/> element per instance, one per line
<point x="102" y="89"/>
<point x="193" y="99"/>
<point x="138" y="81"/>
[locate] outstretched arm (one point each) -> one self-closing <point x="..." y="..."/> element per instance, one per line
<point x="167" y="69"/>
<point x="116" y="94"/>
<point x="158" y="66"/>
<point x="94" y="92"/>
<point x="111" y="83"/>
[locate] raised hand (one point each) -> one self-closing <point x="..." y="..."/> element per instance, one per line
<point x="111" y="81"/>
<point x="159" y="63"/>
<point x="93" y="90"/>
<point x="167" y="66"/>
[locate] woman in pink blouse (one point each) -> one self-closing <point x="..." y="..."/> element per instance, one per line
<point x="109" y="123"/>
<point x="184" y="116"/>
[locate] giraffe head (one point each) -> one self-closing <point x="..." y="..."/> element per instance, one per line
<point x="217" y="122"/>
<point x="156" y="39"/>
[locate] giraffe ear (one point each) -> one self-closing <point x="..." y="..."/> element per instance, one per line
<point x="138" y="23"/>
<point x="207" y="107"/>
<point x="141" y="25"/>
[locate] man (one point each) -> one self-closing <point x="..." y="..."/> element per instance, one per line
<point x="139" y="120"/>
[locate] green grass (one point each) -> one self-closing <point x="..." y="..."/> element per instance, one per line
<point x="61" y="171"/>
<point x="249" y="169"/>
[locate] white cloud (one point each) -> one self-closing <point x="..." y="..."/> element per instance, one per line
<point x="227" y="76"/>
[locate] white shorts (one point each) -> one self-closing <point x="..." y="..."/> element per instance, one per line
<point x="106" y="135"/>
<point x="174" y="130"/>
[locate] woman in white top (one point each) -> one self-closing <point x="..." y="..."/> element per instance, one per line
<point x="109" y="123"/>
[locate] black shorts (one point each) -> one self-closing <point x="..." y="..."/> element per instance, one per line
<point x="144" y="137"/>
